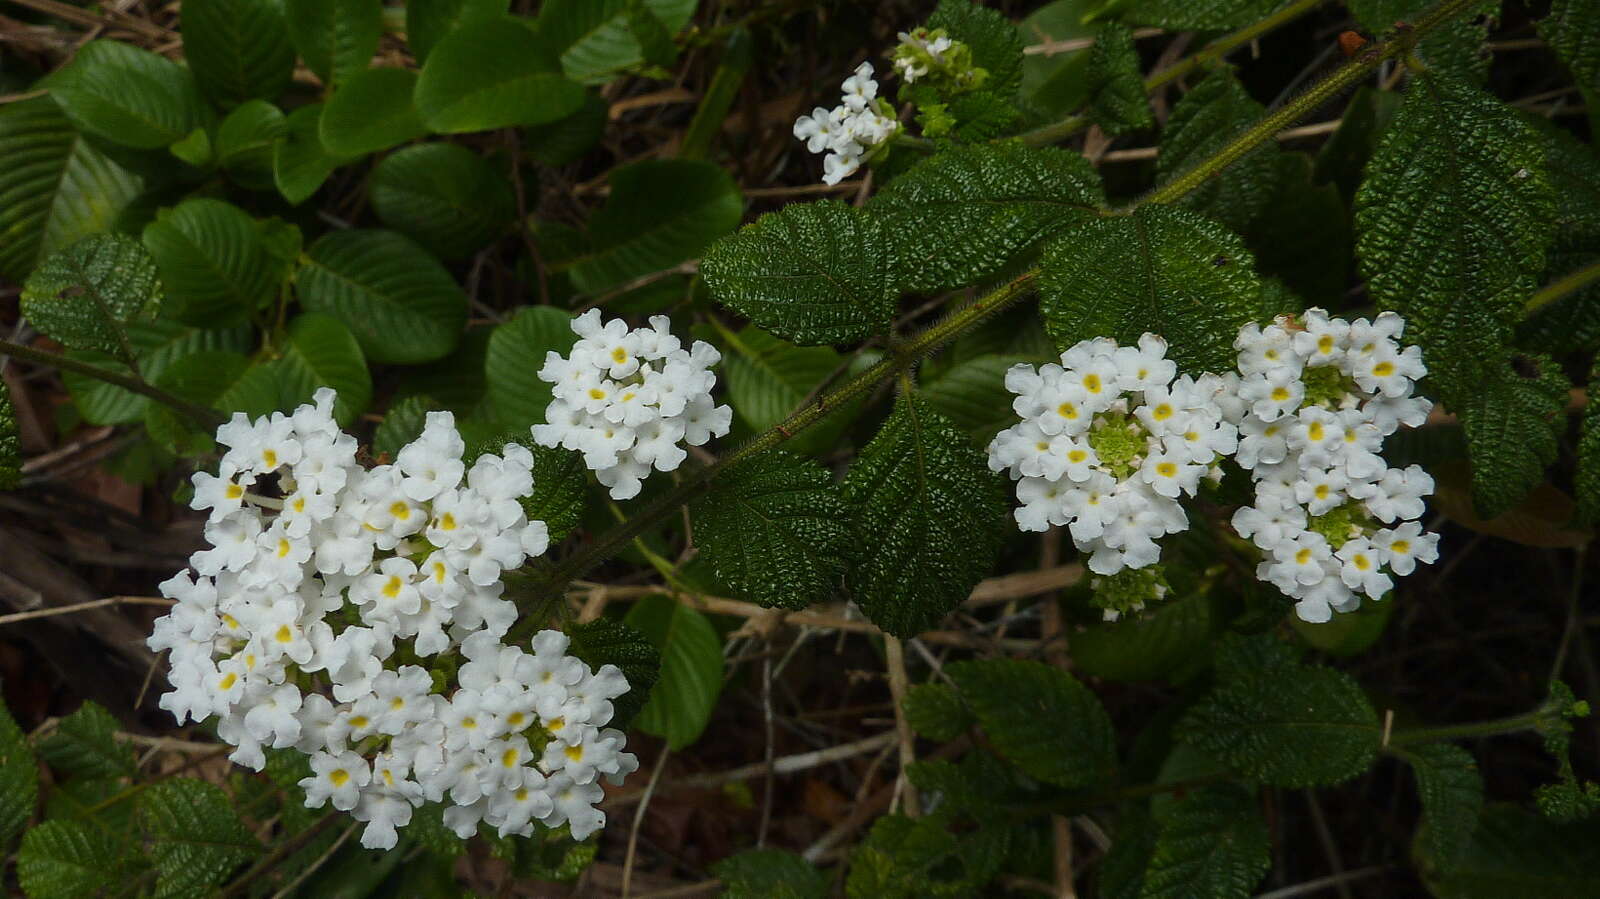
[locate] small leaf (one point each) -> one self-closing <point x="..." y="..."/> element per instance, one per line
<point x="517" y="351"/>
<point x="936" y="711"/>
<point x="319" y="351"/>
<point x="246" y="140"/>
<point x="691" y="669"/>
<point x="84" y="296"/>
<point x="907" y="858"/>
<point x="239" y="49"/>
<point x="399" y="302"/>
<point x="565" y="140"/>
<point x="1164" y="642"/>
<point x="1212" y="844"/>
<point x="1040" y="719"/>
<point x="1573" y="31"/>
<point x="1167" y="271"/>
<point x="996" y="46"/>
<point x="605" y="641"/>
<point x="594" y="38"/>
<point x="1515" y="852"/>
<point x="371" y="111"/>
<point x="67" y="860"/>
<point x="810" y="273"/>
<point x="428" y="21"/>
<point x="213" y="262"/>
<point x="774" y="529"/>
<point x="1117" y="99"/>
<point x="196" y="838"/>
<point x="491" y="74"/>
<point x="128" y="96"/>
<point x="336" y="38"/>
<point x="85" y="745"/>
<point x="1455" y="47"/>
<point x="19" y="772"/>
<point x="444" y="196"/>
<point x="1206" y="119"/>
<point x="1452" y="796"/>
<point x="300" y="163"/>
<point x="1204" y="15"/>
<point x="10" y="477"/>
<point x="769" y="874"/>
<point x="156" y="345"/>
<point x="1512" y="416"/>
<point x="559" y="488"/>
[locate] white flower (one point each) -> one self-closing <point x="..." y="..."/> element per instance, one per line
<point x="337" y="778"/>
<point x="1361" y="568"/>
<point x="1404" y="546"/>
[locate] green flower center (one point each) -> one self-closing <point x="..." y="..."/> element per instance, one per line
<point x="1119" y="440"/>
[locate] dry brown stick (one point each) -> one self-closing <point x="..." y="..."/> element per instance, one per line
<point x="638" y="821"/>
<point x="895" y="656"/>
<point x="14" y="617"/>
<point x="788" y="764"/>
<point x="80" y="16"/>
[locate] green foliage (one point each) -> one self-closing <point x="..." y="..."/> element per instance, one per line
<point x="1205" y="120"/>
<point x="401" y="424"/>
<point x="1344" y="156"/>
<point x="428" y="21"/>
<point x="128" y="96"/>
<point x="213" y="261"/>
<point x="1212" y="844"/>
<point x="195" y="836"/>
<point x="691" y="669"/>
<point x="156" y="346"/>
<point x="769" y="874"/>
<point x="1040" y="719"/>
<point x="224" y="381"/>
<point x="300" y="163"/>
<point x="10" y="467"/>
<point x="84" y="296"/>
<point x="336" y="38"/>
<point x="371" y="111"/>
<point x="565" y="140"/>
<point x="1167" y="271"/>
<point x="19" y="773"/>
<point x="1586" y="483"/>
<point x="1573" y="31"/>
<point x="1198" y="14"/>
<point x="936" y="711"/>
<point x="810" y="273"/>
<point x="961" y="215"/>
<point x="490" y="74"/>
<point x="1517" y="853"/>
<point x="444" y="196"/>
<point x="768" y="379"/>
<point x="599" y="39"/>
<point x="517" y="351"/>
<point x="1567" y="799"/>
<point x="990" y="110"/>
<point x="85" y="745"/>
<point x="1167" y="641"/>
<point x="909" y="858"/>
<point x="559" y="491"/>
<point x="1512" y="418"/>
<point x="1572" y="322"/>
<point x="927" y="513"/>
<point x="245" y="142"/>
<point x="318" y="351"/>
<point x="972" y="393"/>
<point x="398" y="301"/>
<point x="67" y="860"/>
<point x="1117" y="99"/>
<point x="239" y="50"/>
<point x="1456" y="47"/>
<point x="1452" y="796"/>
<point x="1302" y="234"/>
<point x="775" y="529"/>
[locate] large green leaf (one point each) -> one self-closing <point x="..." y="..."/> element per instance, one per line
<point x="1205" y="120"/>
<point x="85" y="745"/>
<point x="936" y="711"/>
<point x="691" y="669"/>
<point x="84" y="296"/>
<point x="566" y="140"/>
<point x="1117" y="99"/>
<point x="445" y="196"/>
<point x="58" y="188"/>
<point x="991" y="110"/>
<point x="660" y="213"/>
<point x="516" y="353"/>
<point x="1212" y="845"/>
<point x="490" y="74"/>
<point x="1041" y="719"/>
<point x="606" y="641"/>
<point x="961" y="215"/>
<point x="972" y="393"/>
<point x="336" y="38"/>
<point x="1513" y="416"/>
<point x="300" y="161"/>
<point x="397" y="300"/>
<point x="768" y="379"/>
<point x="19" y="773"/>
<point x="213" y="261"/>
<point x="1515" y="852"/>
<point x="224" y="381"/>
<point x="67" y="860"/>
<point x="1573" y="30"/>
<point x="196" y="837"/>
<point x="246" y="140"/>
<point x="1165" y="641"/>
<point x="428" y="21"/>
<point x="769" y="874"/>
<point x="156" y="346"/>
<point x="1452" y="797"/>
<point x="928" y="518"/>
<point x="595" y="38"/>
<point x="774" y="528"/>
<point x="319" y="351"/>
<point x="371" y="111"/>
<point x="239" y="49"/>
<point x="1168" y="271"/>
<point x="1179" y="15"/>
<point x="810" y="273"/>
<point x="128" y="96"/>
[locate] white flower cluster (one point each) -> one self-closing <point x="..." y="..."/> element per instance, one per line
<point x="850" y="131"/>
<point x="308" y="622"/>
<point x="1320" y="396"/>
<point x="922" y="53"/>
<point x="1110" y="439"/>
<point x="625" y="399"/>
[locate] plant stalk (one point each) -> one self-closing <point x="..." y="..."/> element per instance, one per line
<point x="204" y="416"/>
<point x="1571" y="283"/>
<point x="1515" y="724"/>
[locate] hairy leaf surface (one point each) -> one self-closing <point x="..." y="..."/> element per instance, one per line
<point x="1516" y="852"/>
<point x="1573" y="30"/>
<point x="1198" y="14"/>
<point x="936" y="711"/>
<point x="606" y="641"/>
<point x="1455" y="47"/>
<point x="1452" y="796"/>
<point x="1213" y="844"/>
<point x="1587" y="480"/>
<point x="19" y="773"/>
<point x="769" y="874"/>
<point x="1117" y="99"/>
<point x="66" y="860"/>
<point x="1041" y="719"/>
<point x="196" y="838"/>
<point x="84" y="296"/>
<point x="1513" y="417"/>
<point x="85" y="745"/>
<point x="1205" y="120"/>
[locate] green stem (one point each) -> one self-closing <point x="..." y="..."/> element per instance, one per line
<point x="202" y="415"/>
<point x="1515" y="724"/>
<point x="1572" y="283"/>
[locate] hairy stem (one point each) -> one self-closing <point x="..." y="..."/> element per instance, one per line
<point x="1515" y="724"/>
<point x="204" y="416"/>
<point x="1572" y="283"/>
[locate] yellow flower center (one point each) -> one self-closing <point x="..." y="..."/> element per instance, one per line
<point x="1091" y="383"/>
<point x="1279" y="394"/>
<point x="1361" y="562"/>
<point x="619" y="355"/>
<point x="556" y="724"/>
<point x="283" y="547"/>
<point x="397" y="703"/>
<point x="1161" y="412"/>
<point x="447" y="522"/>
<point x="509" y="758"/>
<point x="438" y="572"/>
<point x="400" y="510"/>
<point x="1325" y="343"/>
<point x="469" y="722"/>
<point x="299" y="504"/>
<point x="1321" y="491"/>
<point x="1067" y="410"/>
<point x="516" y="719"/>
<point x="1077" y="455"/>
<point x="1316" y="431"/>
<point x="1383" y="369"/>
<point x="270" y="457"/>
<point x="284" y="635"/>
<point x="228" y="680"/>
<point x="234" y="491"/>
<point x="573" y="752"/>
<point x="521" y="795"/>
<point x="1400" y="546"/>
<point x="339" y="777"/>
<point x="358" y="721"/>
<point x="1166" y="469"/>
<point x="1303" y="556"/>
<point x="596" y="393"/>
<point x="392" y="588"/>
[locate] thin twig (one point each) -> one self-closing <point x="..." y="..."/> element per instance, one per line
<point x="788" y="764"/>
<point x="638" y="820"/>
<point x="321" y="860"/>
<point x="15" y="617"/>
<point x="895" y="658"/>
<point x="1312" y="886"/>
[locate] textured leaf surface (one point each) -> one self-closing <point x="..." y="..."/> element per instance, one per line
<point x="156" y="346"/>
<point x="84" y="296"/>
<point x="428" y="21"/>
<point x="517" y="351"/>
<point x="57" y="188"/>
<point x="85" y="744"/>
<point x="1041" y="719"/>
<point x="239" y="49"/>
<point x="1198" y="14"/>
<point x="128" y="96"/>
<point x="691" y="669"/>
<point x="319" y="351"/>
<point x="1512" y="415"/>
<point x="1205" y="120"/>
<point x="1302" y="234"/>
<point x="1296" y="726"/>
<point x="1171" y="272"/>
<point x="66" y="860"/>
<point x="1160" y="643"/>
<point x="1572" y="322"/>
<point x="371" y="111"/>
<point x="19" y="773"/>
<point x="936" y="711"/>
<point x="911" y="858"/>
<point x="399" y="302"/>
<point x="1452" y="797"/>
<point x="1455" y="47"/>
<point x="336" y="38"/>
<point x="769" y="874"/>
<point x="446" y="197"/>
<point x="491" y="74"/>
<point x="1515" y="852"/>
<point x="1117" y="99"/>
<point x="1586" y="483"/>
<point x="594" y="37"/>
<point x="196" y="837"/>
<point x="300" y="163"/>
<point x="810" y="273"/>
<point x="775" y="530"/>
<point x="768" y="379"/>
<point x="245" y="143"/>
<point x="213" y="262"/>
<point x="10" y="473"/>
<point x="1573" y="30"/>
<point x="401" y="424"/>
<point x="559" y="485"/>
<point x="605" y="641"/>
<point x="962" y="214"/>
<point x="223" y="381"/>
<point x="1212" y="845"/>
<point x="973" y="395"/>
<point x="928" y="518"/>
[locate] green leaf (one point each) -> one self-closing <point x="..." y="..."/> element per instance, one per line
<point x="768" y="379"/>
<point x="67" y="860"/>
<point x="444" y="196"/>
<point x="1207" y="118"/>
<point x="1452" y="223"/>
<point x="606" y="641"/>
<point x="1452" y="796"/>
<point x="1212" y="845"/>
<point x="1572" y="322"/>
<point x="196" y="838"/>
<point x="19" y="772"/>
<point x="10" y="477"/>
<point x="1212" y="15"/>
<point x="491" y="74"/>
<point x="660" y="213"/>
<point x="399" y="302"/>
<point x="517" y="351"/>
<point x="774" y="529"/>
<point x="428" y="21"/>
<point x="336" y="38"/>
<point x="1133" y="844"/>
<point x="1166" y="641"/>
<point x="1117" y="99"/>
<point x="213" y="262"/>
<point x="319" y="351"/>
<point x="195" y="149"/>
<point x="691" y="669"/>
<point x="559" y="488"/>
<point x="1573" y="31"/>
<point x="996" y="46"/>
<point x="928" y="516"/>
<point x="1515" y="852"/>
<point x="1295" y="726"/>
<point x="907" y="858"/>
<point x="371" y="111"/>
<point x="84" y="296"/>
<point x="1302" y="234"/>
<point x="156" y="345"/>
<point x="128" y="96"/>
<point x="58" y="188"/>
<point x="963" y="214"/>
<point x="239" y="49"/>
<point x="566" y="140"/>
<point x="1040" y="719"/>
<point x="401" y="424"/>
<point x="300" y="163"/>
<point x="936" y="711"/>
<point x="85" y="745"/>
<point x="769" y="874"/>
<point x="973" y="395"/>
<point x="810" y="273"/>
<point x="1057" y="84"/>
<point x="1344" y="156"/>
<point x="1586" y="482"/>
<point x="224" y="381"/>
<point x="1455" y="47"/>
<point x="1168" y="271"/>
<point x="594" y="38"/>
<point x="245" y="142"/>
<point x="1513" y="416"/>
